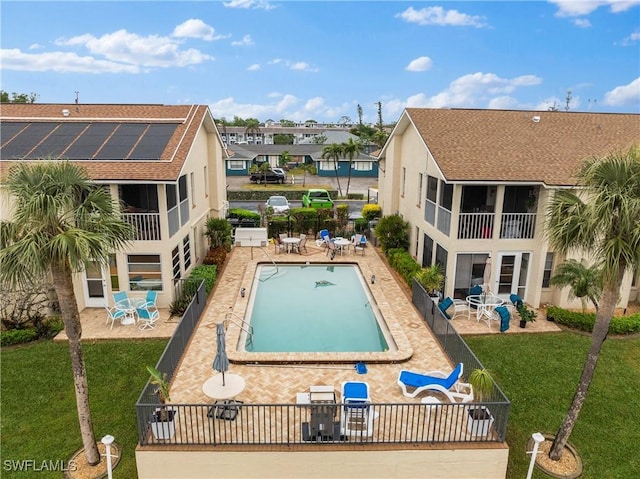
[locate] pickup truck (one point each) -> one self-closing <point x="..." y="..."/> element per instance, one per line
<point x="276" y="175"/>
<point x="317" y="199"/>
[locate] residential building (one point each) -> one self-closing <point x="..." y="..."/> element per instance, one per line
<point x="163" y="163"/>
<point x="475" y="184"/>
<point x="265" y="134"/>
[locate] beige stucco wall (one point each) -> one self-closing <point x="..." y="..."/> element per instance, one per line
<point x="441" y="463"/>
<point x="407" y="151"/>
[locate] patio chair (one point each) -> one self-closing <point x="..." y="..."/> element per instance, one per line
<point x="516" y="302"/>
<point x="459" y="307"/>
<point x="113" y="315"/>
<point x="505" y="317"/>
<point x="324" y="238"/>
<point x="279" y="245"/>
<point x="357" y="414"/>
<point x="147" y="317"/>
<point x="331" y="249"/>
<point x="301" y="245"/>
<point x="120" y="296"/>
<point x="151" y="298"/>
<point x="436" y="381"/>
<point x="359" y="243"/>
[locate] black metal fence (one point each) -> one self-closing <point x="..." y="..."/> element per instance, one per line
<point x="236" y="423"/>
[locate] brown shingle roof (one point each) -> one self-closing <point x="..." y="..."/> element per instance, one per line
<point x="188" y="119"/>
<point x="499" y="145"/>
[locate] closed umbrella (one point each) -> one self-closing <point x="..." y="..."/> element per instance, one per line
<point x="221" y="361"/>
<point x="486" y="277"/>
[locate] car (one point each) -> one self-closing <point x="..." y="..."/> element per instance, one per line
<point x="272" y="175"/>
<point x="317" y="198"/>
<point x="280" y="205"/>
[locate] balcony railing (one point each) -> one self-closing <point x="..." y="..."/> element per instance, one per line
<point x="475" y="225"/>
<point x="518" y="225"/>
<point x="146" y="225"/>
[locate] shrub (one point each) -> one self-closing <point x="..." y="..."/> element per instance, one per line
<point x="371" y="212"/>
<point x="17" y="336"/>
<point x="403" y="263"/>
<point x="206" y="272"/>
<point x="243" y="214"/>
<point x="218" y="231"/>
<point x="392" y="232"/>
<point x="277" y="225"/>
<point x="49" y="327"/>
<point x="355" y="196"/>
<point x="585" y="321"/>
<point x="215" y="256"/>
<point x="342" y="215"/>
<point x="360" y="225"/>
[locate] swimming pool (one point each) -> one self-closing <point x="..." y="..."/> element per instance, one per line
<point x="313" y="308"/>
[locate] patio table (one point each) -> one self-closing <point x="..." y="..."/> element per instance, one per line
<point x="289" y="242"/>
<point x="485" y="305"/>
<point x="342" y="243"/>
<point x="129" y="307"/>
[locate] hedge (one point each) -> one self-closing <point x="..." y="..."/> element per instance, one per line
<point x="17" y="336"/>
<point x="403" y="263"/>
<point x="585" y="321"/>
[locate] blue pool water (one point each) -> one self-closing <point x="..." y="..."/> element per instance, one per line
<point x="313" y="308"/>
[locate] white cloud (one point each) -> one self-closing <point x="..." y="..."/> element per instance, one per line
<point x="245" y="42"/>
<point x="420" y="64"/>
<point x="300" y="66"/>
<point x="582" y="23"/>
<point x="574" y="8"/>
<point x="35" y="46"/>
<point x="61" y="62"/>
<point x="502" y="103"/>
<point x="133" y="49"/>
<point x="440" y="16"/>
<point x="256" y="4"/>
<point x="253" y="68"/>
<point x="624" y="95"/>
<point x="314" y="104"/>
<point x="195" y="28"/>
<point x="631" y="39"/>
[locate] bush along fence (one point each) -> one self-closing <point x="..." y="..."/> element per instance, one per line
<point x="585" y="321"/>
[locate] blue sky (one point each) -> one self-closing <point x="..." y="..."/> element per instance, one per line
<point x="318" y="60"/>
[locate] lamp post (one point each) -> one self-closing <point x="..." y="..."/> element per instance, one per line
<point x="537" y="438"/>
<point x="107" y="441"/>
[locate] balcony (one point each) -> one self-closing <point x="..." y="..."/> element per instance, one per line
<point x="146" y="226"/>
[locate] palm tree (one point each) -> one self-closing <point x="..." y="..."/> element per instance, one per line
<point x="252" y="127"/>
<point x="60" y="222"/>
<point x="606" y="225"/>
<point x="584" y="282"/>
<point x="351" y="149"/>
<point x="333" y="151"/>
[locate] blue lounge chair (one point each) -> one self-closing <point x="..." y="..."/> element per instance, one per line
<point x="357" y="415"/>
<point x="435" y="381"/>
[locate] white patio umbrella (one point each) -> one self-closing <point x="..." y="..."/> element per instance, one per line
<point x="486" y="276"/>
<point x="221" y="361"/>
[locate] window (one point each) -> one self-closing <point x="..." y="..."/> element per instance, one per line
<point x="363" y="165"/>
<point x="235" y="164"/>
<point x="175" y="262"/>
<point x="419" y="189"/>
<point x="192" y="178"/>
<point x="417" y="240"/>
<point x="404" y="180"/>
<point x="206" y="183"/>
<point x="327" y="165"/>
<point x="144" y="272"/>
<point x="113" y="273"/>
<point x="186" y="252"/>
<point x="432" y="189"/>
<point x="427" y="251"/>
<point x="446" y="195"/>
<point x="184" y="199"/>
<point x="548" y="268"/>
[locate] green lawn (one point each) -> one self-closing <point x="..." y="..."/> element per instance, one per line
<point x="539" y="374"/>
<point x="39" y="418"/>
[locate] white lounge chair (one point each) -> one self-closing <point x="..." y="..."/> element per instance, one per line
<point x="413" y="383"/>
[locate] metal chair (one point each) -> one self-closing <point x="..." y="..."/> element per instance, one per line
<point x="113" y="314"/>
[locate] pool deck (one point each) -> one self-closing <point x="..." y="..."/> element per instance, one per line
<point x="279" y="383"/>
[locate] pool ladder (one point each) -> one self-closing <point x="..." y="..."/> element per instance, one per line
<point x="274" y="264"/>
<point x="242" y="324"/>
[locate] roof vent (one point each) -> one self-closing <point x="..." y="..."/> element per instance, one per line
<point x="536" y="119"/>
<point x="65" y="112"/>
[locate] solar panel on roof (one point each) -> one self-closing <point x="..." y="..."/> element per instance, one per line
<point x="121" y="142"/>
<point x="9" y="130"/>
<point x="23" y="142"/>
<point x="153" y="142"/>
<point x="59" y="140"/>
<point x="88" y="144"/>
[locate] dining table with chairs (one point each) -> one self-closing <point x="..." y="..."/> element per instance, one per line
<point x="484" y="305"/>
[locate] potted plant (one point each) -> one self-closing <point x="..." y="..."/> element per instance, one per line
<point x="480" y="419"/>
<point x="526" y="315"/>
<point x="431" y="279"/>
<point x="163" y="418"/>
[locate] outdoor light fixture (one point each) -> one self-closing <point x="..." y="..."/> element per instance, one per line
<point x="242" y="292"/>
<point x="373" y="279"/>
